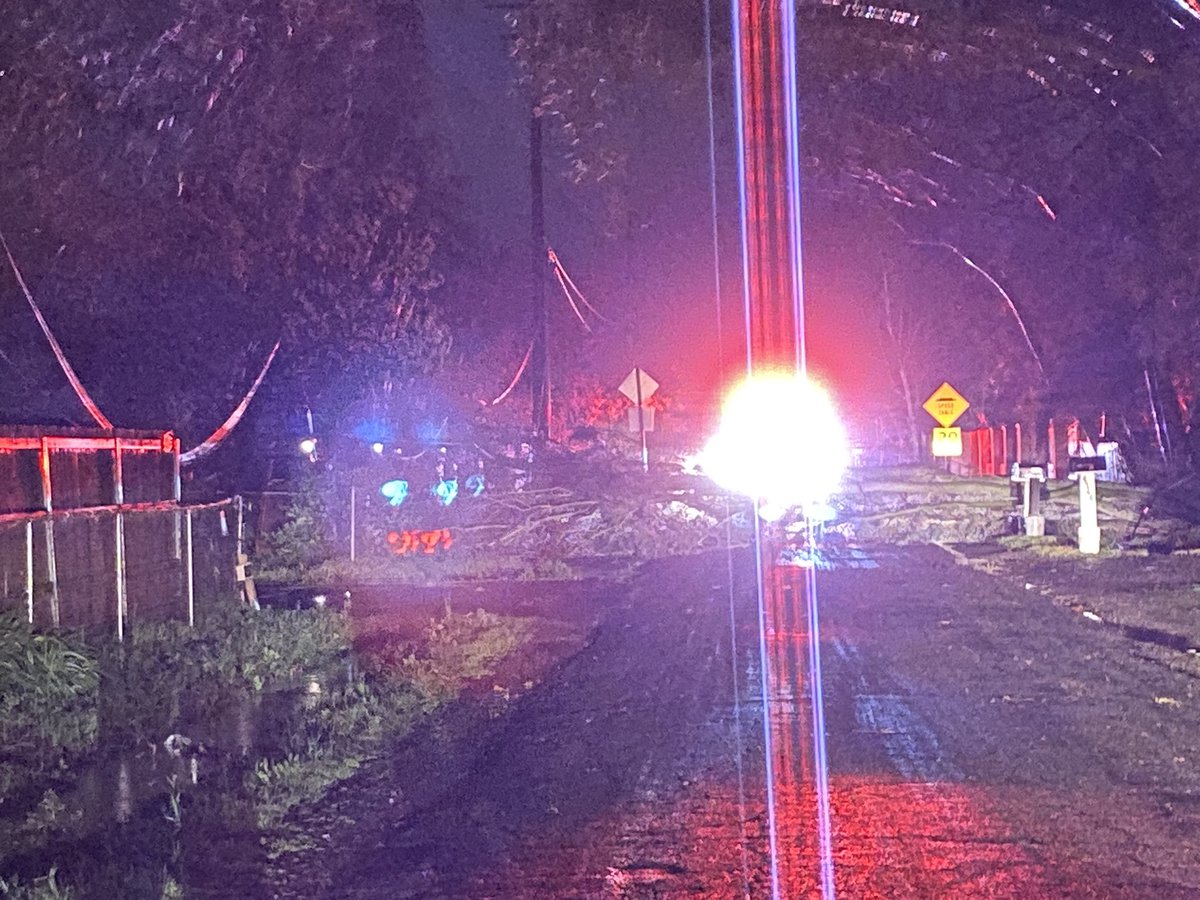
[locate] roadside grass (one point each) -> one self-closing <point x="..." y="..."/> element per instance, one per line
<point x="467" y="565"/>
<point x="337" y="732"/>
<point x="1052" y="547"/>
<point x="460" y="648"/>
<point x="167" y="673"/>
<point x="348" y="728"/>
<point x="67" y="704"/>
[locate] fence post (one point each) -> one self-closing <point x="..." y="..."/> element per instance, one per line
<point x="240" y="525"/>
<point x="1052" y="439"/>
<point x="119" y="574"/>
<point x="353" y="504"/>
<point x="52" y="571"/>
<point x="48" y="505"/>
<point x="191" y="571"/>
<point x="1003" y="450"/>
<point x="29" y="569"/>
<point x="176" y="493"/>
<point x="1017" y="438"/>
<point x="119" y="536"/>
<point x="242" y="567"/>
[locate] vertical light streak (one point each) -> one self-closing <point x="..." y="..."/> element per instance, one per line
<point x="820" y="757"/>
<point x="792" y="103"/>
<point x="767" y="98"/>
<point x="776" y="277"/>
<point x="743" y="199"/>
<point x="712" y="170"/>
<point x="764" y="670"/>
<point x="820" y="754"/>
<point x="764" y="659"/>
<point x="735" y="671"/>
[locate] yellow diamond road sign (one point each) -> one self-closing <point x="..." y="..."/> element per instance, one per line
<point x="946" y="405"/>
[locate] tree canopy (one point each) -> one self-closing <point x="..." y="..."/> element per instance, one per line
<point x="1036" y="154"/>
<point x="188" y="181"/>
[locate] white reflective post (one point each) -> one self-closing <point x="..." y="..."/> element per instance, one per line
<point x="1089" y="518"/>
<point x="353" y="504"/>
<point x="29" y="569"/>
<point x="119" y="541"/>
<point x="191" y="570"/>
<point x="119" y="536"/>
<point x="1031" y="479"/>
<point x="641" y="410"/>
<point x="241" y="518"/>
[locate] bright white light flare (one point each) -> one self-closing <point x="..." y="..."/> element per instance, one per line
<point x="780" y="442"/>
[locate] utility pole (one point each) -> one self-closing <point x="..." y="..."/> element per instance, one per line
<point x="539" y="362"/>
<point x="540" y="358"/>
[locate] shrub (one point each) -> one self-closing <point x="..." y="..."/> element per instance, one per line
<point x="300" y="543"/>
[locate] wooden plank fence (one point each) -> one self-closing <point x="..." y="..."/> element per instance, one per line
<point x="107" y="568"/>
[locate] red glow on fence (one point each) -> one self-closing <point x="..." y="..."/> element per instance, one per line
<point x="427" y="542"/>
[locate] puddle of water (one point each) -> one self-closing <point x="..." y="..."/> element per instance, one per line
<point x="128" y="818"/>
<point x="288" y="596"/>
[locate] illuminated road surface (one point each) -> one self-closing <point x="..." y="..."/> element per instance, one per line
<point x="982" y="743"/>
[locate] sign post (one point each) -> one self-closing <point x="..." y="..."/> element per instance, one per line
<point x="639" y="387"/>
<point x="642" y="421"/>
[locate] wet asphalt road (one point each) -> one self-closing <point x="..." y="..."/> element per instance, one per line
<point x="982" y="742"/>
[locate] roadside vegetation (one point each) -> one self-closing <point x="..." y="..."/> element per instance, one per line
<point x="586" y="516"/>
<point x="605" y="518"/>
<point x="919" y="504"/>
<point x="119" y="763"/>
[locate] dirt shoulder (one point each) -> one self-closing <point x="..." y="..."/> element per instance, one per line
<point x="1065" y="744"/>
<point x="1153" y="600"/>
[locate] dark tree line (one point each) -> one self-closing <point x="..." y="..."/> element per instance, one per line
<point x="186" y="182"/>
<point x="1047" y="145"/>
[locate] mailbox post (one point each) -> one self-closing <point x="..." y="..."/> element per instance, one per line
<point x="1031" y="479"/>
<point x="1083" y="469"/>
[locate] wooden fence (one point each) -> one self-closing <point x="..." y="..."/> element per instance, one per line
<point x="993" y="450"/>
<point x="109" y="567"/>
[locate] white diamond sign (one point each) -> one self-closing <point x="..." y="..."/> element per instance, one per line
<point x="629" y="387"/>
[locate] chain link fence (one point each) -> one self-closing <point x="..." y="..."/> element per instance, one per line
<point x="106" y="569"/>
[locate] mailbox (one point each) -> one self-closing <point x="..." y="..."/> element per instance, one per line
<point x="1086" y="464"/>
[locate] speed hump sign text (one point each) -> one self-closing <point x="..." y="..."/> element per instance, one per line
<point x="947" y="442"/>
<point x="946" y="405"/>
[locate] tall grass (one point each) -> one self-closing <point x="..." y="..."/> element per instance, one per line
<point x="48" y="689"/>
<point x="460" y="648"/>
